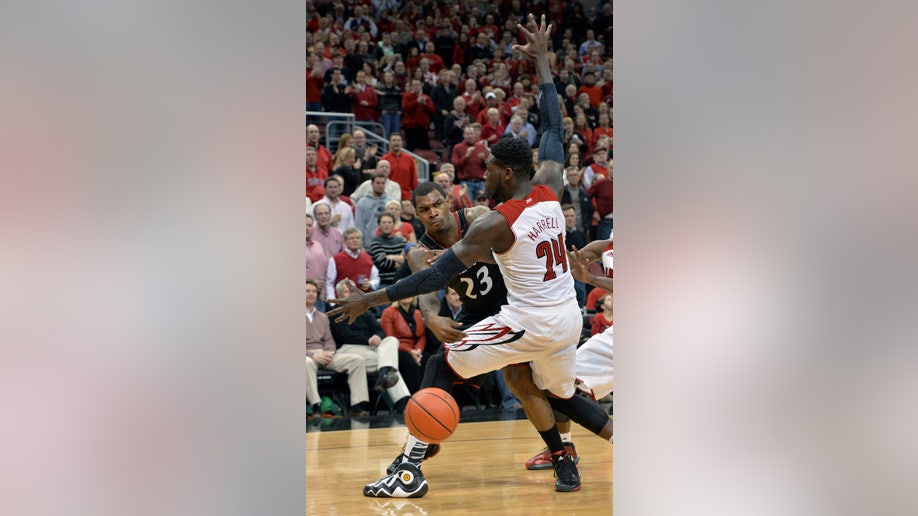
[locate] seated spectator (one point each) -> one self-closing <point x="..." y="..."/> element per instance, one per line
<point x="603" y="317"/>
<point x="365" y="337"/>
<point x="321" y="351"/>
<point x="403" y="321"/>
<point x="386" y="249"/>
<point x="352" y="263"/>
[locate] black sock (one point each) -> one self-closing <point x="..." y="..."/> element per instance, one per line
<point x="552" y="439"/>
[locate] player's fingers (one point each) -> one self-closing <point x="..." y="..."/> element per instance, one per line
<point x="455" y="324"/>
<point x="524" y="31"/>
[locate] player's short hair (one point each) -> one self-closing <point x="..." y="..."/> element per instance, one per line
<point x="513" y="153"/>
<point x="425" y="188"/>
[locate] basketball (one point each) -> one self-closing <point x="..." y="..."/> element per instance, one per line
<point x="431" y="415"/>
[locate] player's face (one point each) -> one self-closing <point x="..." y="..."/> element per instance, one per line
<point x="433" y="211"/>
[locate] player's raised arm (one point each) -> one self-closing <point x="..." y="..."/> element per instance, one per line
<point x="551" y="147"/>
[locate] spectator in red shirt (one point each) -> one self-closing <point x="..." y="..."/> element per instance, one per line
<point x="314" y="84"/>
<point x="404" y="169"/>
<point x="493" y="127"/>
<point x="315" y="176"/>
<point x="403" y="321"/>
<point x="469" y="158"/>
<point x="418" y="108"/>
<point x="590" y="88"/>
<point x="603" y="317"/>
<point x="324" y="155"/>
<point x="366" y="103"/>
<point x="474" y="103"/>
<point x="436" y="62"/>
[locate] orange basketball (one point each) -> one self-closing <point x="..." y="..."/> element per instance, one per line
<point x="431" y="415"/>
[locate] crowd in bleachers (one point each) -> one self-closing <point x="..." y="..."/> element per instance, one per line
<point x="441" y="79"/>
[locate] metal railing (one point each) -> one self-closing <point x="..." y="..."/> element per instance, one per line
<point x="337" y="124"/>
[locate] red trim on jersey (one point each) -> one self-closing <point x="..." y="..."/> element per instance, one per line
<point x="512" y="209"/>
<point x="446" y="359"/>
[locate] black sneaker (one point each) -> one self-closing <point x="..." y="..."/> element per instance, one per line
<point x="388" y="377"/>
<point x="432" y="449"/>
<point x="406" y="482"/>
<point x="567" y="478"/>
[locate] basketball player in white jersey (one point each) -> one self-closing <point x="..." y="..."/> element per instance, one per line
<point x="541" y="322"/>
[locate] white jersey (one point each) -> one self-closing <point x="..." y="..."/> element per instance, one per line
<point x="535" y="267"/>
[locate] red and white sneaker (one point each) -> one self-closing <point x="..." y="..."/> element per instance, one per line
<point x="542" y="460"/>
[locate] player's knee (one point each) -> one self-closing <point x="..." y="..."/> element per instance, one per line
<point x="519" y="380"/>
<point x="438" y="374"/>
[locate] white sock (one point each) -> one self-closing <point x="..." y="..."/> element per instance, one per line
<point x="566" y="437"/>
<point x="414" y="450"/>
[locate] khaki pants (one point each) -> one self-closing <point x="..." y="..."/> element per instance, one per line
<point x="384" y="355"/>
<point x="348" y="363"/>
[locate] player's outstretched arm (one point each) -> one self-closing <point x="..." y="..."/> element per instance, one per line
<point x="551" y="146"/>
<point x="485" y="232"/>
<point x="580" y="270"/>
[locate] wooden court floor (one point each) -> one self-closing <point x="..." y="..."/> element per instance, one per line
<point x="479" y="471"/>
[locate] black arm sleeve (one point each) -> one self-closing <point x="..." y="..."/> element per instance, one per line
<point x="447" y="267"/>
<point x="551" y="147"/>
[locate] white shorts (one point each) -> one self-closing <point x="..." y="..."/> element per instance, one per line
<point x="547" y="341"/>
<point x="594" y="365"/>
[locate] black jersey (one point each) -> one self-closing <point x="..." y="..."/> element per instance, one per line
<point x="481" y="287"/>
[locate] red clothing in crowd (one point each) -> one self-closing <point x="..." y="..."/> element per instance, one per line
<point x="394" y="325"/>
<point x="594" y="91"/>
<point x="491" y="133"/>
<point x="476" y="106"/>
<point x="416" y="114"/>
<point x="599" y="323"/>
<point x="314" y="85"/>
<point x="324" y="157"/>
<point x="472" y="166"/>
<point x="404" y="172"/>
<point x="436" y="62"/>
<point x="315" y="180"/>
<point x="368" y="95"/>
<point x="601" y="193"/>
<point x="346" y="266"/>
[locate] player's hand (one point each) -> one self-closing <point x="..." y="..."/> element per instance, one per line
<point x="537" y="38"/>
<point x="351" y="307"/>
<point x="580" y="265"/>
<point x="445" y="329"/>
<point x="433" y="256"/>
